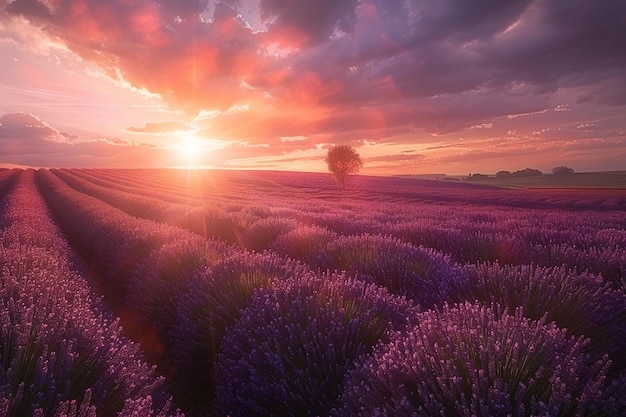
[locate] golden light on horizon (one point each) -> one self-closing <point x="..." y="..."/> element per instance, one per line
<point x="190" y="147"/>
<point x="194" y="151"/>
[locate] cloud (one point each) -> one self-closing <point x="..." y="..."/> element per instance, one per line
<point x="303" y="23"/>
<point x="395" y="158"/>
<point x="160" y="127"/>
<point x="345" y="71"/>
<point x="28" y="141"/>
<point x="27" y="127"/>
<point x="344" y="51"/>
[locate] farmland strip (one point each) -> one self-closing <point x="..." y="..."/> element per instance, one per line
<point x="208" y="222"/>
<point x="7" y="179"/>
<point x="58" y="346"/>
<point x="503" y="234"/>
<point x="126" y="186"/>
<point x="135" y="256"/>
<point x="147" y="267"/>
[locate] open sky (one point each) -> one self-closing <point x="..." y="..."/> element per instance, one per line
<point x="417" y="86"/>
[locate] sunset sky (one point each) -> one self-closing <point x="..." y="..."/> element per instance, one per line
<point x="416" y="86"/>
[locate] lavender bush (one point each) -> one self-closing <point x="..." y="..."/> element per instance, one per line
<point x="7" y="179"/>
<point x="288" y="353"/>
<point x="303" y="243"/>
<point x="263" y="232"/>
<point x="158" y="281"/>
<point x="583" y="304"/>
<point x="202" y="310"/>
<point x="470" y="360"/>
<point x="211" y="305"/>
<point x="421" y="274"/>
<point x="57" y="345"/>
<point x="111" y="240"/>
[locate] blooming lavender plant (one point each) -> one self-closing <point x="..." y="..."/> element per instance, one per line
<point x="582" y="303"/>
<point x="262" y="233"/>
<point x="212" y="304"/>
<point x="158" y="281"/>
<point x="303" y="243"/>
<point x="56" y="343"/>
<point x="421" y="274"/>
<point x="288" y="353"/>
<point x="470" y="360"/>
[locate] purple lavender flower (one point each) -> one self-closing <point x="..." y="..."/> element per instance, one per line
<point x="421" y="274"/>
<point x="212" y="304"/>
<point x="57" y="343"/>
<point x="470" y="360"/>
<point x="303" y="243"/>
<point x="288" y="353"/>
<point x="262" y="233"/>
<point x="582" y="303"/>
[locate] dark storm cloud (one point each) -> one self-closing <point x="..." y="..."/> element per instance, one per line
<point x="307" y="22"/>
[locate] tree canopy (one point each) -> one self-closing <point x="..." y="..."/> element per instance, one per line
<point x="343" y="160"/>
<point x="562" y="170"/>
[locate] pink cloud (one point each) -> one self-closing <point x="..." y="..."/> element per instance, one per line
<point x="26" y="140"/>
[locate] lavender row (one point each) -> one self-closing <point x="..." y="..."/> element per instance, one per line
<point x="7" y="179"/>
<point x="209" y="295"/>
<point x="471" y="360"/>
<point x="585" y="240"/>
<point x="132" y="255"/>
<point x="585" y="304"/>
<point x="265" y="336"/>
<point x="187" y="195"/>
<point x="147" y="267"/>
<point x="210" y="223"/>
<point x="59" y="349"/>
<point x="291" y="348"/>
<point x="376" y="189"/>
<point x="320" y="345"/>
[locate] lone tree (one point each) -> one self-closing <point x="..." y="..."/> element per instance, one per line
<point x="343" y="160"/>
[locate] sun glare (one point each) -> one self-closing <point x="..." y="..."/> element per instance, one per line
<point x="195" y="152"/>
<point x="190" y="148"/>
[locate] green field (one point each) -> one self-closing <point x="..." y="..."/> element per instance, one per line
<point x="607" y="179"/>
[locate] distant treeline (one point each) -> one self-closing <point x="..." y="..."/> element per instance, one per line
<point x="526" y="172"/>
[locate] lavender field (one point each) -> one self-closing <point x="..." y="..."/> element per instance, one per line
<point x="243" y="293"/>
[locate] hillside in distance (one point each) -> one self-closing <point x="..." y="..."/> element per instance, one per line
<point x="401" y="189"/>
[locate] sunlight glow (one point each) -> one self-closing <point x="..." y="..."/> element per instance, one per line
<point x="190" y="148"/>
<point x="196" y="152"/>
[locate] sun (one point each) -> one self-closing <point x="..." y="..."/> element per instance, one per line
<point x="190" y="147"/>
<point x="195" y="152"/>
